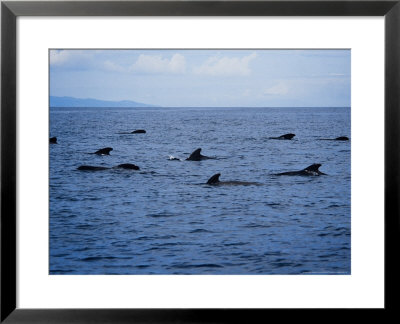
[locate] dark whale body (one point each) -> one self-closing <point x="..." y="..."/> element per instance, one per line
<point x="196" y="156"/>
<point x="340" y="138"/>
<point x="284" y="137"/>
<point x="311" y="170"/>
<point x="53" y="140"/>
<point x="137" y="131"/>
<point x="104" y="151"/>
<point x="128" y="166"/>
<point x="91" y="168"/>
<point x="214" y="181"/>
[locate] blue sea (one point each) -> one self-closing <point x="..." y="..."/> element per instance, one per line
<point x="164" y="219"/>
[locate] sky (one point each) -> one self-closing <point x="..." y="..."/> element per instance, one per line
<point x="205" y="78"/>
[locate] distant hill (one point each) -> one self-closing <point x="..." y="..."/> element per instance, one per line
<point x="88" y="102"/>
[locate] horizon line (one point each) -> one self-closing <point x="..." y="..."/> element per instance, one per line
<point x="155" y="106"/>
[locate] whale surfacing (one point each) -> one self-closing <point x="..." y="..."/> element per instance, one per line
<point x="214" y="181"/>
<point x="53" y="140"/>
<point x="136" y="131"/>
<point x="196" y="156"/>
<point x="285" y="136"/>
<point x="312" y="170"/>
<point x="128" y="166"/>
<point x="91" y="168"/>
<point x="340" y="138"/>
<point x="104" y="151"/>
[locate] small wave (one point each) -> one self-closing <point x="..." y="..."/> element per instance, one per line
<point x="200" y="230"/>
<point x="166" y="237"/>
<point x="255" y="225"/>
<point x="60" y="271"/>
<point x="144" y="238"/>
<point x="97" y="258"/>
<point x="84" y="226"/>
<point x="201" y="265"/>
<point x="162" y="214"/>
<point x="281" y="264"/>
<point x="60" y="255"/>
<point x="235" y="244"/>
<point x="327" y="256"/>
<point x="273" y="253"/>
<point x="142" y="266"/>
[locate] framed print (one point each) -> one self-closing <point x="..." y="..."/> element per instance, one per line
<point x="189" y="161"/>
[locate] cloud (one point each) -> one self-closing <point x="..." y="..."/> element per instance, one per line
<point x="226" y="66"/>
<point x="278" y="89"/>
<point x="113" y="67"/>
<point x="71" y="58"/>
<point x="153" y="64"/>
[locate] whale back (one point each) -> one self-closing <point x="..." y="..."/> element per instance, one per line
<point x="288" y="136"/>
<point x="214" y="179"/>
<point x="53" y="140"/>
<point x="128" y="166"/>
<point x="342" y="138"/>
<point x="91" y="168"/>
<point x="105" y="151"/>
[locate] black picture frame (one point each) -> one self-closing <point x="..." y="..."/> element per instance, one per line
<point x="10" y="10"/>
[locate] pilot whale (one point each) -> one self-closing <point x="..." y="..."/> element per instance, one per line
<point x="137" y="131"/>
<point x="311" y="170"/>
<point x="340" y="138"/>
<point x="53" y="140"/>
<point x="214" y="181"/>
<point x="127" y="166"/>
<point x="91" y="168"/>
<point x="284" y="137"/>
<point x="196" y="156"/>
<point x="103" y="151"/>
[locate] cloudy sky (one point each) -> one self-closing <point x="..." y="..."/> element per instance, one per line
<point x="194" y="78"/>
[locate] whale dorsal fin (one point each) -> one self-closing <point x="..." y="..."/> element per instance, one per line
<point x="195" y="155"/>
<point x="214" y="179"/>
<point x="313" y="167"/>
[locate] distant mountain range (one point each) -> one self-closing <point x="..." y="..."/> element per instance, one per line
<point x="88" y="102"/>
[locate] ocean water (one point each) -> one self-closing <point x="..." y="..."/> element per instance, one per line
<point x="164" y="219"/>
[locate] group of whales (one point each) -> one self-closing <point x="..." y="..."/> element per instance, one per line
<point x="106" y="151"/>
<point x="291" y="135"/>
<point x="312" y="170"/>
